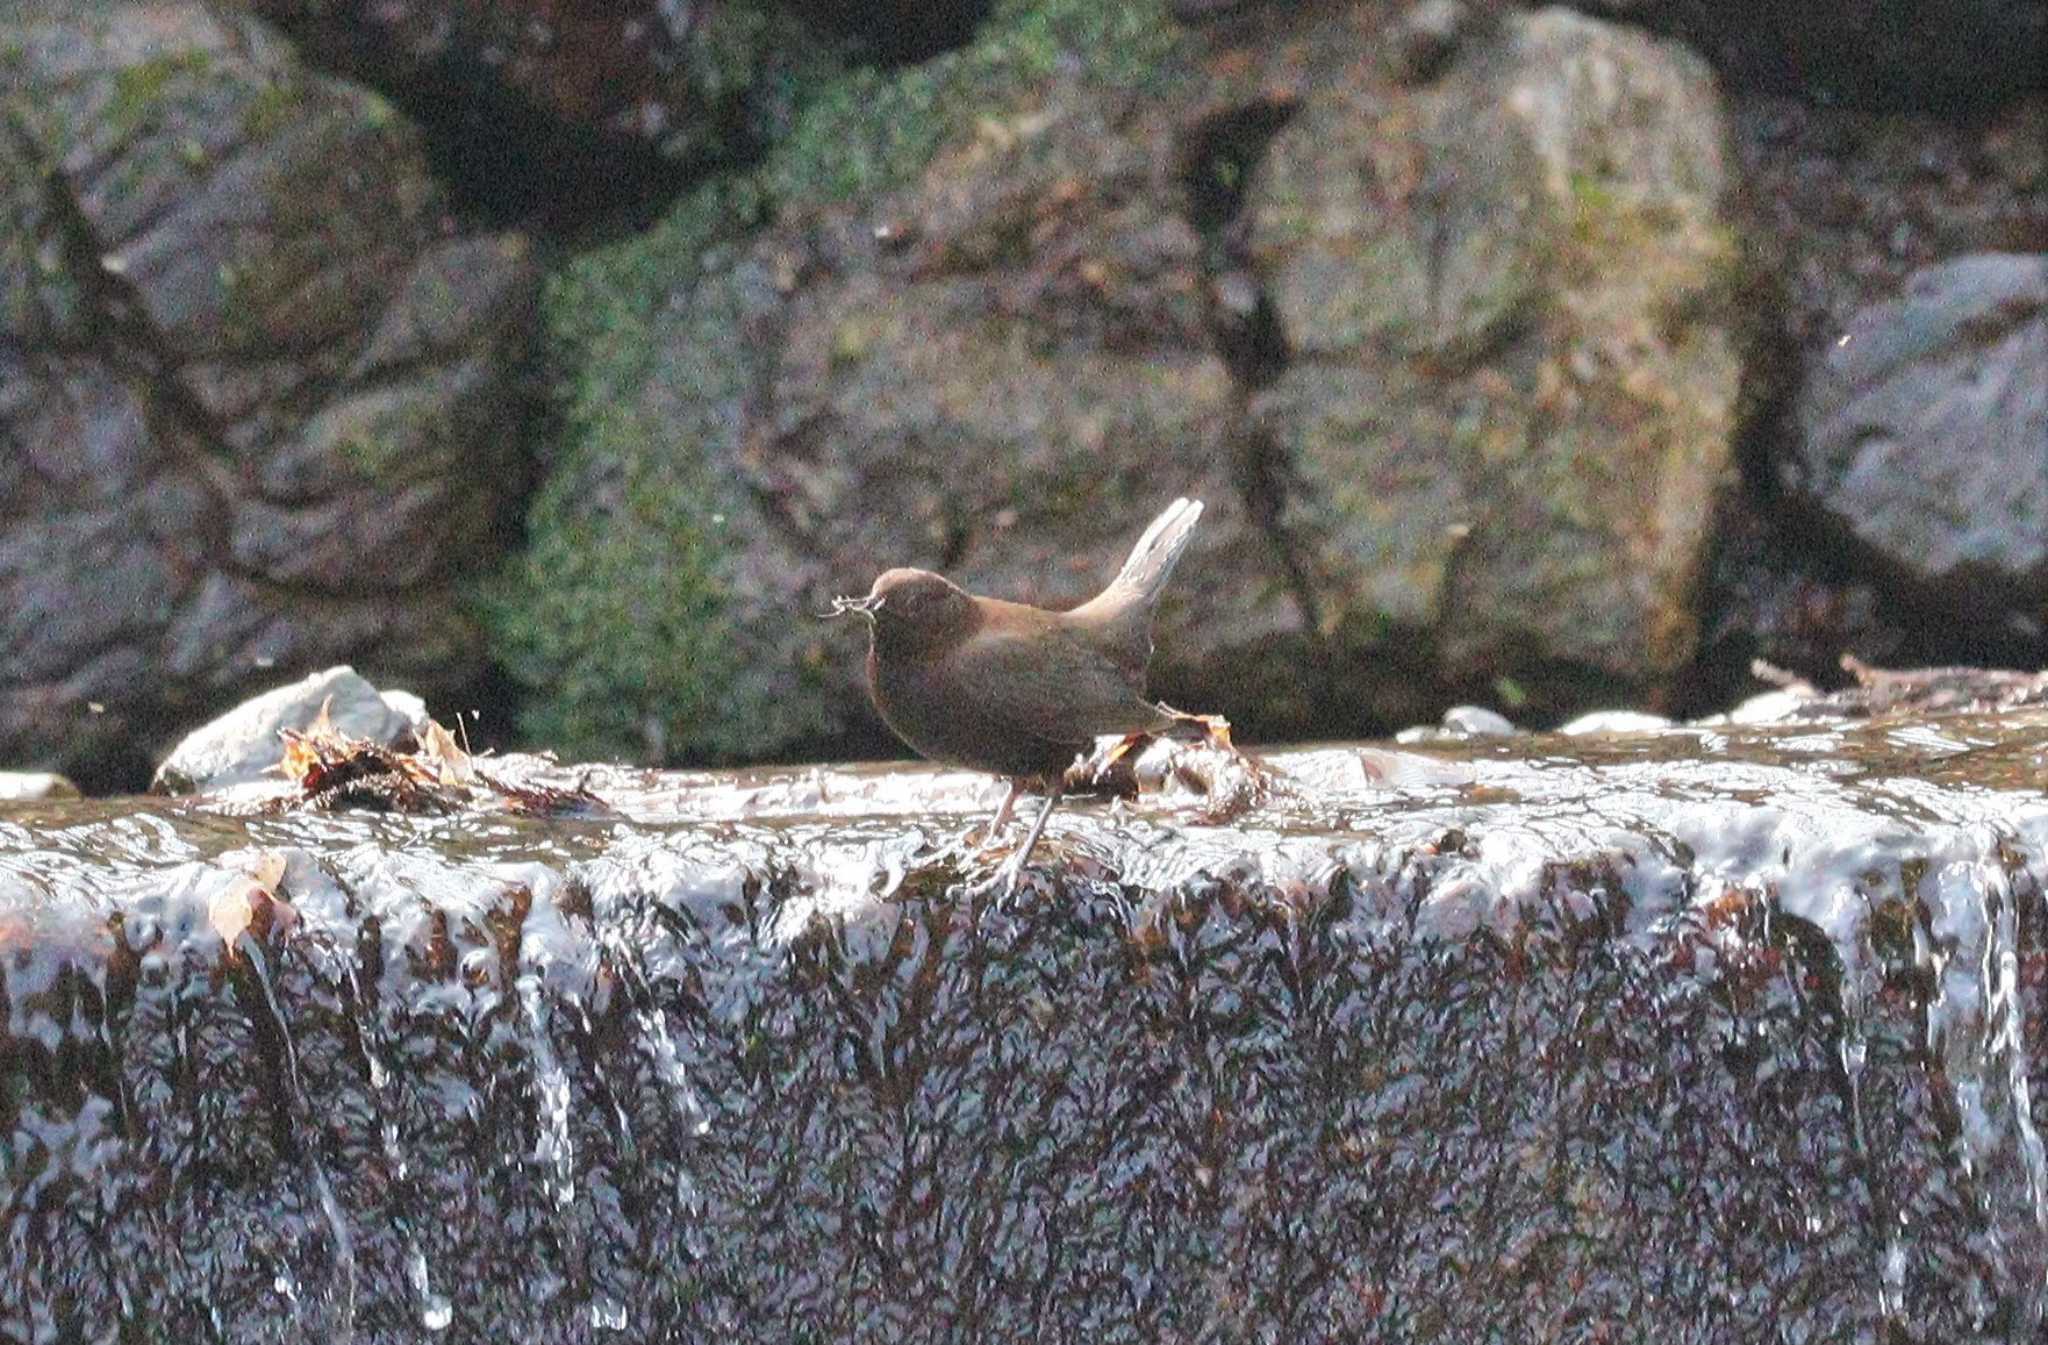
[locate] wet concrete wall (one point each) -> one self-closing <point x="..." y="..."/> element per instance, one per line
<point x="1706" y="1037"/>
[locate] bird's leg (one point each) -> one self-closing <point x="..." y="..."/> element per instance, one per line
<point x="1012" y="869"/>
<point x="988" y="836"/>
<point x="1004" y="809"/>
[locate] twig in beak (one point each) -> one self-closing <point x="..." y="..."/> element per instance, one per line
<point x="841" y="606"/>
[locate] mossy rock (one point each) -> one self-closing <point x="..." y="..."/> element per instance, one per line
<point x="764" y="404"/>
<point x="259" y="385"/>
<point x="618" y="615"/>
<point x="1515" y="299"/>
<point x="872" y="131"/>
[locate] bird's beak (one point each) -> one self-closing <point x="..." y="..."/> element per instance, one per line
<point x="841" y="606"/>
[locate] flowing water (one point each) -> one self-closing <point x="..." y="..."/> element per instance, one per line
<point x="1698" y="1035"/>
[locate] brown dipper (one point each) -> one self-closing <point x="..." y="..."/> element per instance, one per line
<point x="1016" y="690"/>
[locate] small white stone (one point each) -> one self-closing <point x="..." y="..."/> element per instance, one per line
<point x="27" y="786"/>
<point x="1616" y="721"/>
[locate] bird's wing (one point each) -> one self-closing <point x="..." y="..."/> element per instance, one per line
<point x="1051" y="686"/>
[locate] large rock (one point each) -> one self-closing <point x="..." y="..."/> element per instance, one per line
<point x="1925" y="434"/>
<point x="1510" y="297"/>
<point x="1008" y="397"/>
<point x="256" y="398"/>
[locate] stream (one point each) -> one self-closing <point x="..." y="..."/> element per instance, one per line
<point x="1696" y="1035"/>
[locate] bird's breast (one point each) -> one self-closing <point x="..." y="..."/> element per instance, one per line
<point x="938" y="707"/>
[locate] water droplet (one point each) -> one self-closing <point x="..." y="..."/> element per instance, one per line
<point x="435" y="1310"/>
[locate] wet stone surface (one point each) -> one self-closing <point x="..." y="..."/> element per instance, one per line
<point x="1706" y="1035"/>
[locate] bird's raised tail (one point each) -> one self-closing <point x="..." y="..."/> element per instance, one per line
<point x="1153" y="558"/>
<point x="1118" y="620"/>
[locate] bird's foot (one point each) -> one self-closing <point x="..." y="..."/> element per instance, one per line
<point x="977" y="842"/>
<point x="967" y="847"/>
<point x="1002" y="884"/>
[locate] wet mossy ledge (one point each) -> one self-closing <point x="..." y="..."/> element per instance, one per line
<point x="1705" y="1034"/>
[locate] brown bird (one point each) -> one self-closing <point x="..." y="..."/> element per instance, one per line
<point x="1016" y="690"/>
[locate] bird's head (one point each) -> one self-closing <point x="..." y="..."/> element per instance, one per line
<point x="913" y="609"/>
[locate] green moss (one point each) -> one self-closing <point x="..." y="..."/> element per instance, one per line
<point x="870" y="131"/>
<point x="404" y="437"/>
<point x="373" y="456"/>
<point x="273" y="104"/>
<point x="378" y="113"/>
<point x="617" y="616"/>
<point x="614" y="617"/>
<point x="140" y="89"/>
<point x="728" y="46"/>
<point x="597" y="306"/>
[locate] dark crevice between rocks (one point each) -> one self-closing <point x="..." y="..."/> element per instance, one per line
<point x="1563" y="687"/>
<point x="1966" y="617"/>
<point x="486" y="712"/>
<point x="133" y="345"/>
<point x="1261" y="470"/>
<point x="1792" y="585"/>
<point x="1719" y="675"/>
<point x="121" y="766"/>
<point x="900" y="33"/>
<point x="507" y="159"/>
<point x="1219" y="157"/>
<point x="1956" y="59"/>
<point x="509" y="162"/>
